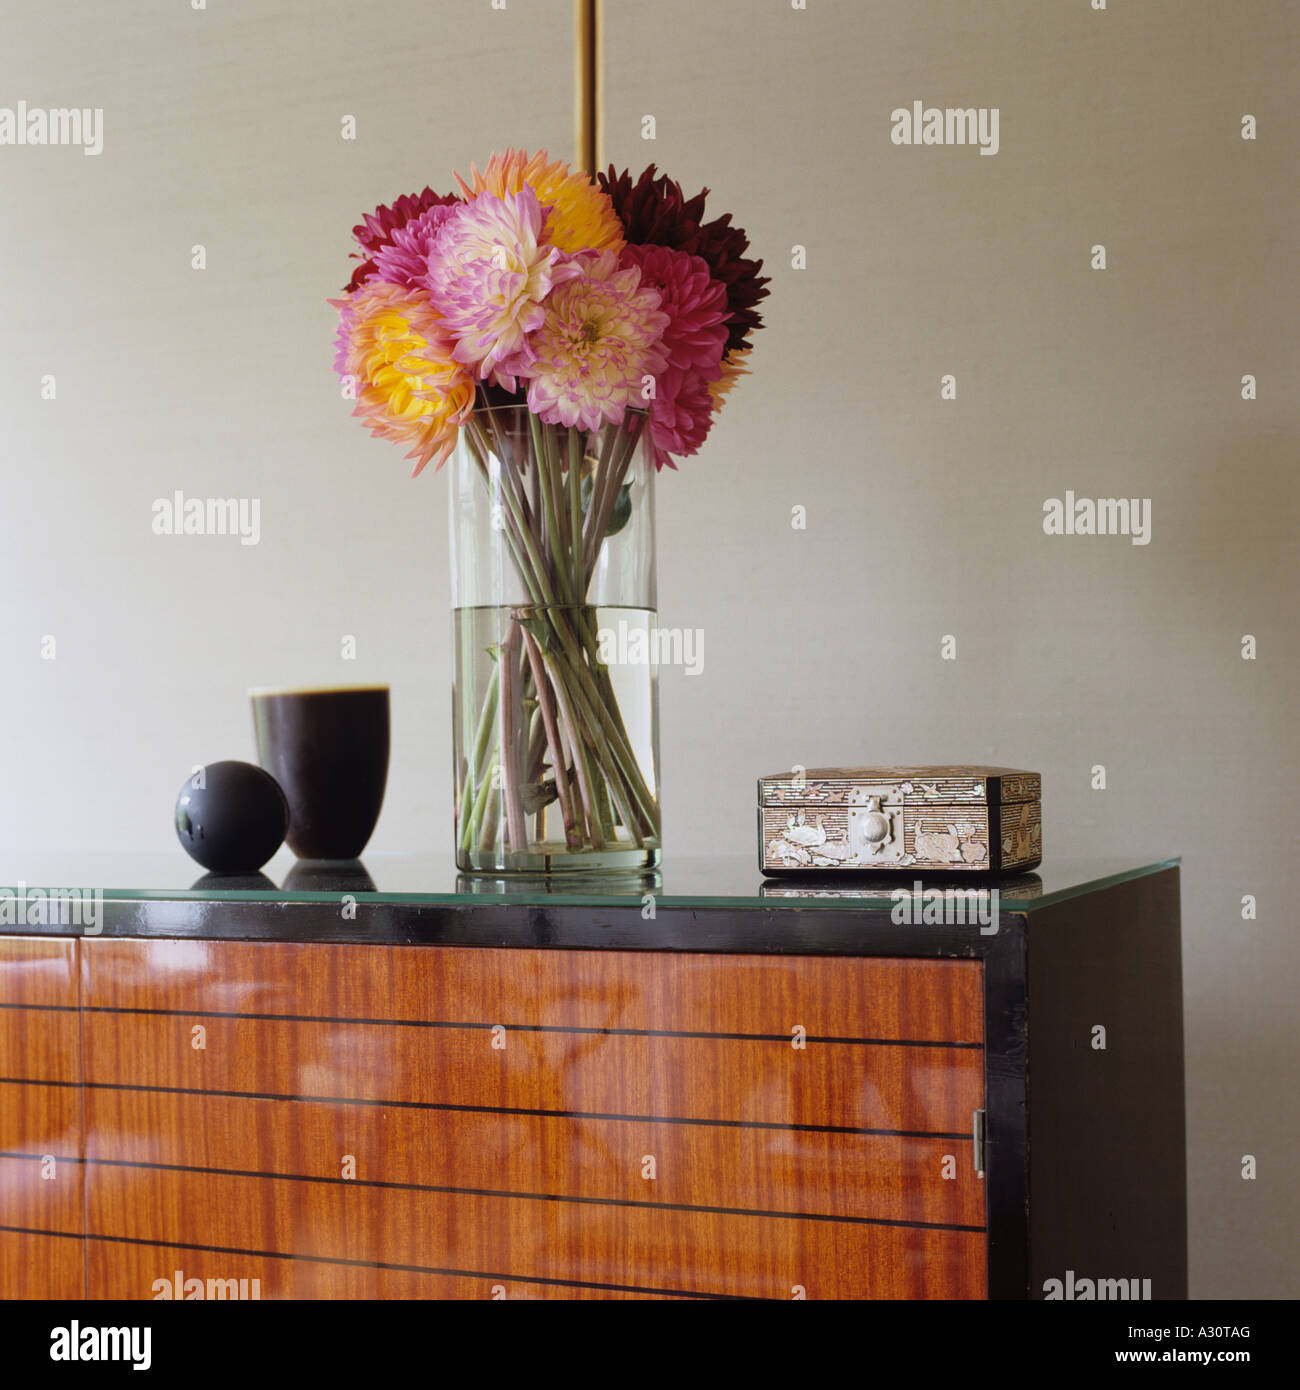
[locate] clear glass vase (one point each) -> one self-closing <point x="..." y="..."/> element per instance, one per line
<point x="556" y="717"/>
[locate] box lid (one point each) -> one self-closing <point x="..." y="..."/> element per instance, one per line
<point x="939" y="786"/>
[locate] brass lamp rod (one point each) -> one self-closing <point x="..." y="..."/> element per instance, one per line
<point x="586" y="70"/>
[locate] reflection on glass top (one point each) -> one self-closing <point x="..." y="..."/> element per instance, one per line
<point x="687" y="881"/>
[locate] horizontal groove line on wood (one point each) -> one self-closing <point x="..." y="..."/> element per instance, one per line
<point x="37" y="1231"/>
<point x="38" y="1081"/>
<point x="369" y="1264"/>
<point x="572" y="1198"/>
<point x="489" y="1109"/>
<point x="483" y="1109"/>
<point x="457" y="1024"/>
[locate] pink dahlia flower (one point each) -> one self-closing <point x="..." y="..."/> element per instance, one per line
<point x="397" y="356"/>
<point x="376" y="228"/>
<point x="600" y="338"/>
<point x="490" y="268"/>
<point x="405" y="259"/>
<point x="695" y="340"/>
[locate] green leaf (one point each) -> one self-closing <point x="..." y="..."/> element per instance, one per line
<point x="540" y="631"/>
<point x="622" y="512"/>
<point x="622" y="506"/>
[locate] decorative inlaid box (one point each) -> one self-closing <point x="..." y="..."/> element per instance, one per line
<point x="957" y="819"/>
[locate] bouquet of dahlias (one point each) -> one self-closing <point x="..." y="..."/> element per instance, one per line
<point x="620" y="319"/>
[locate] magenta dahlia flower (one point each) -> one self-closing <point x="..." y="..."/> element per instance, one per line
<point x="599" y="343"/>
<point x="681" y="415"/>
<point x="695" y="339"/>
<point x="696" y="304"/>
<point x="490" y="268"/>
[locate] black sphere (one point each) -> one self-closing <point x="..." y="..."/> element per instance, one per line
<point x="235" y="821"/>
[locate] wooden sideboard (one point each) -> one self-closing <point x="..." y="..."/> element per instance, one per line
<point x="487" y="1099"/>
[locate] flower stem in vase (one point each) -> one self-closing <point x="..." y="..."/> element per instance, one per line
<point x="546" y="703"/>
<point x="474" y="793"/>
<point x="577" y="566"/>
<point x="510" y="710"/>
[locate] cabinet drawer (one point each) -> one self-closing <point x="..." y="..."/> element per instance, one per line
<point x="38" y="971"/>
<point x="618" y="1247"/>
<point x="885" y="1177"/>
<point x="40" y="1119"/>
<point x="39" y="1044"/>
<point x="747" y="1080"/>
<point x="840" y="997"/>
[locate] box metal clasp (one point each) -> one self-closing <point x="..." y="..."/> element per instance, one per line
<point x="874" y="815"/>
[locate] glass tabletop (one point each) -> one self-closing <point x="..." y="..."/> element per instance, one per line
<point x="432" y="879"/>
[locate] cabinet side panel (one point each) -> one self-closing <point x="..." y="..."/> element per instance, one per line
<point x="1107" y="1156"/>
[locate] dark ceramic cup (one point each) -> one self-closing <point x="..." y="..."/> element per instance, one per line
<point x="328" y="750"/>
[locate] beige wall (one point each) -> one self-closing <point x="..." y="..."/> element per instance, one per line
<point x="924" y="516"/>
<point x="223" y="128"/>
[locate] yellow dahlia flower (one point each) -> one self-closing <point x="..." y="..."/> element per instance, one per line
<point x="394" y="349"/>
<point x="733" y="368"/>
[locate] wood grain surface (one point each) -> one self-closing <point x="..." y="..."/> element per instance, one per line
<point x="41" y="1174"/>
<point x="853" y="1175"/>
<point x="734" y="1080"/>
<point x="123" y="1271"/>
<point x="627" y="1247"/>
<point x="351" y="1121"/>
<point x="38" y="970"/>
<point x="41" y="1267"/>
<point x="830" y="997"/>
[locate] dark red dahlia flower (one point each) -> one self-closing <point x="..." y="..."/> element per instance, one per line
<point x="655" y="212"/>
